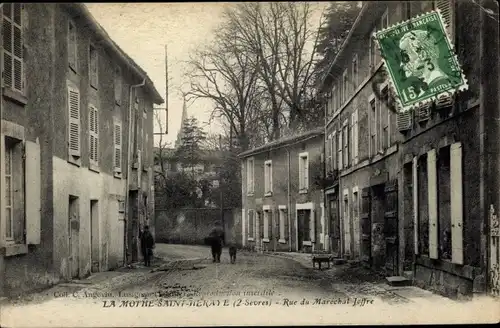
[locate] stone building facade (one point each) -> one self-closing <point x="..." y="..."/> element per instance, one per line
<point x="410" y="193"/>
<point x="282" y="198"/>
<point x="71" y="156"/>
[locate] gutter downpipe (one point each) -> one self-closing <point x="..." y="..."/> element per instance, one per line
<point x="289" y="217"/>
<point x="129" y="165"/>
<point x="326" y="240"/>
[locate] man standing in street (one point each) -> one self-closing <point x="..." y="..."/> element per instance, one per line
<point x="147" y="245"/>
<point x="216" y="240"/>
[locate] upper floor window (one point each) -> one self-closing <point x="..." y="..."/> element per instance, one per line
<point x="345" y="139"/>
<point x="334" y="98"/>
<point x="373" y="49"/>
<point x="13" y="62"/>
<point x="72" y="46"/>
<point x="268" y="177"/>
<point x="74" y="121"/>
<point x="117" y="145"/>
<point x="384" y="21"/>
<point x="303" y="171"/>
<point x="118" y="85"/>
<point x="373" y="126"/>
<point x="385" y="118"/>
<point x="250" y="175"/>
<point x="93" y="67"/>
<point x="94" y="135"/>
<point x="345" y="87"/>
<point x="355" y="70"/>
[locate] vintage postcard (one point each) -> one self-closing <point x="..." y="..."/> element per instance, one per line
<point x="249" y="163"/>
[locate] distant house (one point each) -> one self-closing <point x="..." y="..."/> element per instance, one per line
<point x="282" y="203"/>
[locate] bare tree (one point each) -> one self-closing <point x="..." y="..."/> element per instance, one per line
<point x="283" y="40"/>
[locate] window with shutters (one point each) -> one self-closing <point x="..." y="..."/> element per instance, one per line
<point x="334" y="150"/>
<point x="268" y="177"/>
<point x="117" y="138"/>
<point x="328" y="152"/>
<point x="447" y="9"/>
<point x="93" y="66"/>
<point x="250" y="176"/>
<point x="373" y="50"/>
<point x="93" y="135"/>
<point x="339" y="150"/>
<point x="282" y="223"/>
<point x="13" y="48"/>
<point x="444" y="210"/>
<point x="74" y="121"/>
<point x="303" y="172"/>
<point x="9" y="192"/>
<point x="72" y="46"/>
<point x="345" y="138"/>
<point x="373" y="126"/>
<point x="334" y="99"/>
<point x="251" y="224"/>
<point x="384" y="118"/>
<point x="354" y="137"/>
<point x="355" y="72"/>
<point x="423" y="206"/>
<point x="345" y="88"/>
<point x="267" y="220"/>
<point x="118" y="85"/>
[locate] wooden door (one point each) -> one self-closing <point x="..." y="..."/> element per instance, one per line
<point x="334" y="225"/>
<point x="391" y="227"/>
<point x="73" y="238"/>
<point x="366" y="227"/>
<point x="301" y="218"/>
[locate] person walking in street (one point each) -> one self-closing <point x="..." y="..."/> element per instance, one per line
<point x="147" y="245"/>
<point x="216" y="241"/>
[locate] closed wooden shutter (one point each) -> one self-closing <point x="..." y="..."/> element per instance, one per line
<point x="355" y="137"/>
<point x="415" y="203"/>
<point x="286" y="214"/>
<point x="251" y="228"/>
<point x="270" y="220"/>
<point x="94" y="134"/>
<point x="334" y="150"/>
<point x="72" y="46"/>
<point x="33" y="193"/>
<point x="93" y="66"/>
<point x="328" y="151"/>
<point x="365" y="223"/>
<point x="118" y="148"/>
<point x="13" y="48"/>
<point x="306" y="172"/>
<point x="118" y="85"/>
<point x="271" y="177"/>
<point x="432" y="203"/>
<point x="447" y="9"/>
<point x="312" y="225"/>
<point x="260" y="224"/>
<point x="456" y="203"/>
<point x="341" y="163"/>
<point x="74" y="121"/>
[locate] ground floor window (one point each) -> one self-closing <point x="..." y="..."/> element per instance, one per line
<point x="282" y="222"/>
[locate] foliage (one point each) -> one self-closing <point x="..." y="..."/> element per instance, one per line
<point x="192" y="138"/>
<point x="258" y="71"/>
<point x="339" y="18"/>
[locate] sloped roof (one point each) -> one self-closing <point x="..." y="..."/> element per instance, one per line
<point x="282" y="142"/>
<point x="84" y="13"/>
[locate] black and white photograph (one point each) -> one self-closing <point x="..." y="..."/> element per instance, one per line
<point x="249" y="163"/>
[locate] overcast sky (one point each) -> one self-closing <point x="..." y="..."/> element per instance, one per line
<point x="143" y="29"/>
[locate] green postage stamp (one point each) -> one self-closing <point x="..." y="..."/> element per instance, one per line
<point x="420" y="60"/>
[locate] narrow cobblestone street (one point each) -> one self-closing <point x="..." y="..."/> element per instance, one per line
<point x="183" y="283"/>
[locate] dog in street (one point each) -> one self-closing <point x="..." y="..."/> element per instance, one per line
<point x="232" y="253"/>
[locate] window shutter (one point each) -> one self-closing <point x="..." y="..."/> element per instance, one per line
<point x="72" y="53"/>
<point x="270" y="221"/>
<point x="334" y="150"/>
<point x="261" y="224"/>
<point x="13" y="49"/>
<point x="265" y="224"/>
<point x="285" y="220"/>
<point x="341" y="163"/>
<point x="312" y="225"/>
<point x="415" y="203"/>
<point x="322" y="221"/>
<point x="432" y="203"/>
<point x="74" y="121"/>
<point x="33" y="192"/>
<point x="456" y="203"/>
<point x="447" y="9"/>
<point x="355" y="136"/>
<point x="328" y="152"/>
<point x="250" y="226"/>
<point x="118" y="148"/>
<point x="306" y="172"/>
<point x="271" y="177"/>
<point x="94" y="134"/>
<point x="118" y="86"/>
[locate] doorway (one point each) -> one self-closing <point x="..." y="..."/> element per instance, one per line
<point x="94" y="236"/>
<point x="304" y="228"/>
<point x="73" y="237"/>
<point x="334" y="224"/>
